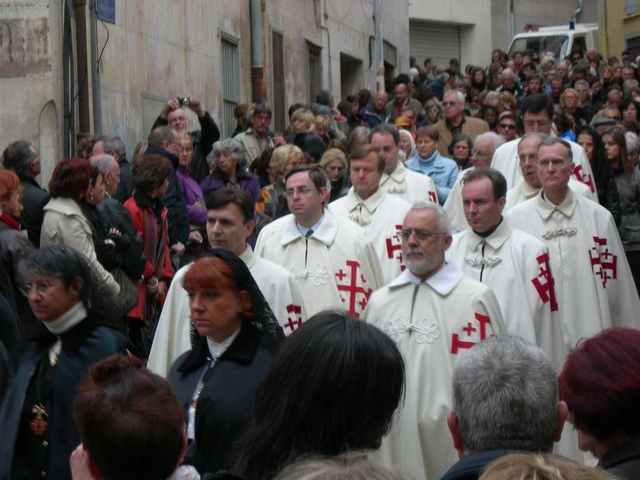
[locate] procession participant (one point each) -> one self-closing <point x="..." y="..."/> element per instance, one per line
<point x="483" y="148"/>
<point x="585" y="250"/>
<point x="397" y="179"/>
<point x="537" y="116"/>
<point x="230" y="222"/>
<point x="513" y="263"/>
<point x="378" y="213"/>
<point x="530" y="184"/>
<point x="334" y="263"/>
<point x="434" y="313"/>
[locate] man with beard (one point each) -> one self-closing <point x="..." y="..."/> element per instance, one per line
<point x="434" y="313"/>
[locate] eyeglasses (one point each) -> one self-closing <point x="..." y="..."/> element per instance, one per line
<point x="302" y="191"/>
<point x="539" y="123"/>
<point x="505" y="126"/>
<point x="420" y="234"/>
<point x="449" y="104"/>
<point x="40" y="287"/>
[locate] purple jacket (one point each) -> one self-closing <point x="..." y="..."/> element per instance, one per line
<point x="193" y="197"/>
<point x="248" y="182"/>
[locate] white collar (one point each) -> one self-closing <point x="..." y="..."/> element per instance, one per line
<point x="443" y="281"/>
<point x="567" y="207"/>
<point x="68" y="320"/>
<point x="217" y="349"/>
<point x="326" y="233"/>
<point x="371" y="204"/>
<point x="528" y="191"/>
<point x="248" y="256"/>
<point x="397" y="175"/>
<point x="495" y="240"/>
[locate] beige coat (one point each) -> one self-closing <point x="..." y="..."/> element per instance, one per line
<point x="65" y="224"/>
<point x="472" y="127"/>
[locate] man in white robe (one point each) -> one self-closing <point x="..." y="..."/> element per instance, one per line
<point x="397" y="179"/>
<point x="229" y="223"/>
<point x="530" y="184"/>
<point x="594" y="285"/>
<point x="434" y="314"/>
<point x="483" y="148"/>
<point x="537" y="115"/>
<point x="377" y="212"/>
<point x="333" y="262"/>
<point x="513" y="263"/>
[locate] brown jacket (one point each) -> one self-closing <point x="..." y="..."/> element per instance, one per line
<point x="471" y="127"/>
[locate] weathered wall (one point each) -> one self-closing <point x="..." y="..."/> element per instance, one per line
<point x="30" y="77"/>
<point x="474" y="18"/>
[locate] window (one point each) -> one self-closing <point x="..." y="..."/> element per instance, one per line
<point x="231" y="81"/>
<point x="315" y="71"/>
<point x="630" y="7"/>
<point x="277" y="59"/>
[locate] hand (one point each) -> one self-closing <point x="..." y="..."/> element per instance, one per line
<point x="195" y="237"/>
<point x="196" y="106"/>
<point x="169" y="107"/>
<point x="279" y="141"/>
<point x="80" y="464"/>
<point x="162" y="290"/>
<point x="114" y="231"/>
<point x="178" y="249"/>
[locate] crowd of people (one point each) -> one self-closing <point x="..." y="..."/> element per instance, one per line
<point x="437" y="280"/>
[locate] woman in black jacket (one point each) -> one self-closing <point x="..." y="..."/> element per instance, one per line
<point x="606" y="187"/>
<point x="217" y="380"/>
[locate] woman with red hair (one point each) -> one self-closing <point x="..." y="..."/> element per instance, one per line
<point x="600" y="383"/>
<point x="64" y="221"/>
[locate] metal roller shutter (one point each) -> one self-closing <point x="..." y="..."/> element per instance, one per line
<point x="439" y="41"/>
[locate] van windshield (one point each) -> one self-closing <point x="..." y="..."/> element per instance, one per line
<point x="545" y="43"/>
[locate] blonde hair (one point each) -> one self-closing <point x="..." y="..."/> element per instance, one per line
<point x="522" y="466"/>
<point x="570" y="91"/>
<point x="332" y="155"/>
<point x="348" y="466"/>
<point x="307" y="117"/>
<point x="323" y="121"/>
<point x="283" y="155"/>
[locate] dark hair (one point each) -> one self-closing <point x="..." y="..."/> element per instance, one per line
<point x="362" y="151"/>
<point x="67" y="265"/>
<point x="624" y="104"/>
<point x="316" y="175"/>
<point x="261" y="108"/>
<point x="129" y="420"/>
<point x="461" y="137"/>
<point x="150" y="171"/>
<point x="537" y="103"/>
<point x="364" y="95"/>
<point x="222" y="197"/>
<point x="498" y="182"/>
<point x="159" y="135"/>
<point x="402" y="79"/>
<point x="600" y="382"/>
<point x="430" y="132"/>
<point x="324" y="97"/>
<point x="71" y="179"/>
<point x="333" y="386"/>
<point x="599" y="164"/>
<point x="387" y="129"/>
<point x="294" y="107"/>
<point x="19" y="156"/>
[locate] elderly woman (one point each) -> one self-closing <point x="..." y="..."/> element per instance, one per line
<point x="407" y="144"/>
<point x="334" y="164"/>
<point x="65" y="223"/>
<point x="149" y="215"/>
<point x="600" y="383"/>
<point x="570" y="104"/>
<point x="461" y="150"/>
<point x="230" y="170"/>
<point x="317" y="397"/>
<point x="216" y="382"/>
<point x="272" y="200"/>
<point x="434" y="111"/>
<point x="303" y="123"/>
<point x="36" y="412"/>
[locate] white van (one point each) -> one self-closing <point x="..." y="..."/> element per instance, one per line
<point x="559" y="39"/>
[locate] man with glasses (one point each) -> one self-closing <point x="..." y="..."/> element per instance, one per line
<point x="434" y="314"/>
<point x="508" y="126"/>
<point x="257" y="138"/>
<point x="513" y="263"/>
<point x="333" y="262"/>
<point x="378" y="213"/>
<point x="456" y="122"/>
<point x="537" y="116"/>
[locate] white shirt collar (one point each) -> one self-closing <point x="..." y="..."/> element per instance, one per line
<point x="495" y="240"/>
<point x="546" y="208"/>
<point x="443" y="281"/>
<point x="68" y="320"/>
<point x="326" y="233"/>
<point x="371" y="204"/>
<point x="248" y="256"/>
<point x="217" y="349"/>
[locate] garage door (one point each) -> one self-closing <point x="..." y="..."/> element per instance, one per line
<point x="438" y="41"/>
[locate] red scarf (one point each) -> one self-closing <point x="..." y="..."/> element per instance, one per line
<point x="10" y="220"/>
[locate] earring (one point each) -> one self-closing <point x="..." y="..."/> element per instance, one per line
<point x="91" y="197"/>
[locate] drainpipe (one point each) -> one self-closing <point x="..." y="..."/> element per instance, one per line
<point x="79" y="7"/>
<point x="256" y="12"/>
<point x="95" y="73"/>
<point x="577" y="11"/>
<point x="378" y="50"/>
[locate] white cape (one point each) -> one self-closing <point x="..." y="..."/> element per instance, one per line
<point x="432" y="323"/>
<point x="173" y="335"/>
<point x="336" y="267"/>
<point x="381" y="216"/>
<point x="524" y="192"/>
<point x="409" y="185"/>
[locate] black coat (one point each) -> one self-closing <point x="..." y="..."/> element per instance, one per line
<point x="227" y="399"/>
<point x="471" y="466"/>
<point x="608" y="194"/>
<point x="83" y="345"/>
<point x="33" y="201"/>
<point x="624" y="461"/>
<point x="125" y="187"/>
<point x="203" y="141"/>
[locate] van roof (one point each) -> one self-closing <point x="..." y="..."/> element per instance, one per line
<point x="559" y="29"/>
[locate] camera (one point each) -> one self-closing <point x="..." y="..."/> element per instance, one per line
<point x="184" y="101"/>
